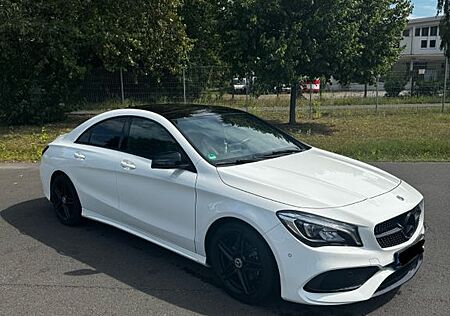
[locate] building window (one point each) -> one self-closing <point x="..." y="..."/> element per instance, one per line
<point x="406" y="33"/>
<point x="417" y="32"/>
<point x="425" y="31"/>
<point x="423" y="44"/>
<point x="432" y="43"/>
<point x="433" y="31"/>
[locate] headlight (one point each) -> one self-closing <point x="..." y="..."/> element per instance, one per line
<point x="319" y="231"/>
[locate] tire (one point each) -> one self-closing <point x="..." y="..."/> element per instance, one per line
<point x="244" y="263"/>
<point x="65" y="200"/>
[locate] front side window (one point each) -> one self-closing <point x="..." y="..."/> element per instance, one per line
<point x="406" y="33"/>
<point x="148" y="139"/>
<point x="432" y="43"/>
<point x="423" y="44"/>
<point x="106" y="134"/>
<point x="236" y="137"/>
<point x="417" y="31"/>
<point x="425" y="31"/>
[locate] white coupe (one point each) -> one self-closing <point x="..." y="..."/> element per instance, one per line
<point x="271" y="215"/>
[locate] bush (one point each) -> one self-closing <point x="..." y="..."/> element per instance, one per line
<point x="32" y="104"/>
<point x="47" y="46"/>
<point x="38" y="68"/>
<point x="395" y="82"/>
<point x="427" y="87"/>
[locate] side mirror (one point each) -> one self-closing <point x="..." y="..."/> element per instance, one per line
<point x="169" y="160"/>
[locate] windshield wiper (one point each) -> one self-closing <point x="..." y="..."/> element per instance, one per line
<point x="280" y="152"/>
<point x="258" y="157"/>
<point x="237" y="161"/>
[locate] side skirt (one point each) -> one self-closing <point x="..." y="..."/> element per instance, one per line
<point x="139" y="233"/>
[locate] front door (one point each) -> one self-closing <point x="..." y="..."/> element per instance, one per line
<point x="158" y="202"/>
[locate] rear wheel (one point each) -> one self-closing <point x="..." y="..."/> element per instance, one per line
<point x="65" y="200"/>
<point x="244" y="263"/>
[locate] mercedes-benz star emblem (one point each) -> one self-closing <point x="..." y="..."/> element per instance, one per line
<point x="408" y="225"/>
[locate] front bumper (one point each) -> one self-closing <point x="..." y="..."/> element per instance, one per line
<point x="298" y="264"/>
<point x="400" y="276"/>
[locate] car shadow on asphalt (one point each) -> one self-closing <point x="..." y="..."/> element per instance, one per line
<point x="149" y="268"/>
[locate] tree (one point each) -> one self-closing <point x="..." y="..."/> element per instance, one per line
<point x="282" y="41"/>
<point x="200" y="19"/>
<point x="381" y="23"/>
<point x="46" y="46"/>
<point x="204" y="64"/>
<point x="443" y="6"/>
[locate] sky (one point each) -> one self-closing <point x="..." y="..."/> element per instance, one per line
<point x="424" y="8"/>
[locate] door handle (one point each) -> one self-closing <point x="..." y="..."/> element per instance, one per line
<point x="79" y="156"/>
<point x="127" y="165"/>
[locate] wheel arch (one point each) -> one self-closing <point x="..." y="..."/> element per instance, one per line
<point x="230" y="219"/>
<point x="215" y="225"/>
<point x="53" y="177"/>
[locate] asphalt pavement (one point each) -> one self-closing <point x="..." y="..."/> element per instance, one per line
<point x="50" y="269"/>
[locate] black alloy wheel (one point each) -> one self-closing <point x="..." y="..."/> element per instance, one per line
<point x="244" y="263"/>
<point x="65" y="200"/>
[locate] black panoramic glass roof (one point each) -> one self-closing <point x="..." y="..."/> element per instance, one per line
<point x="178" y="111"/>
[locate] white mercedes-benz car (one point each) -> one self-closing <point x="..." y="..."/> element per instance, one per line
<point x="271" y="215"/>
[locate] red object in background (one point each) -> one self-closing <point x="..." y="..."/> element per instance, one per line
<point x="314" y="86"/>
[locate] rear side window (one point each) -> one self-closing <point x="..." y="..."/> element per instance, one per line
<point x="148" y="139"/>
<point x="106" y="134"/>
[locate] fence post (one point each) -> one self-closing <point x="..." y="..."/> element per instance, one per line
<point x="411" y="81"/>
<point x="247" y="83"/>
<point x="445" y="83"/>
<point x="376" y="93"/>
<point x="121" y="86"/>
<point x="310" y="98"/>
<point x="184" y="85"/>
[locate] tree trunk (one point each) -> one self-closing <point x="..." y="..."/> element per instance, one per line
<point x="365" y="90"/>
<point x="293" y="103"/>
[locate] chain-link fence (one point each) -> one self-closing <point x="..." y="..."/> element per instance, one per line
<point x="407" y="85"/>
<point x="192" y="84"/>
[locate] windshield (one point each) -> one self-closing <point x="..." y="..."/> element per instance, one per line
<point x="235" y="138"/>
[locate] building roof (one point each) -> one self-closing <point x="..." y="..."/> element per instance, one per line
<point x="425" y="20"/>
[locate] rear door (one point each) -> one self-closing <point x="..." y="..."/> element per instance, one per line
<point x="158" y="202"/>
<point x="94" y="156"/>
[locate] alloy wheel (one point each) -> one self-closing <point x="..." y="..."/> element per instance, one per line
<point x="240" y="267"/>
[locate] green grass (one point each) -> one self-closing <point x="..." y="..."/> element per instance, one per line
<point x="282" y="100"/>
<point x="25" y="143"/>
<point x="338" y="98"/>
<point x="389" y="135"/>
<point x="394" y="135"/>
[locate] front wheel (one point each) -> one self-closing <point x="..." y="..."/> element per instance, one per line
<point x="244" y="263"/>
<point x="65" y="200"/>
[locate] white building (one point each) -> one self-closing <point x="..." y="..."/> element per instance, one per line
<point x="421" y="58"/>
<point x="422" y="53"/>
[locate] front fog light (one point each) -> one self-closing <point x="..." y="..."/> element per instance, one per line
<point x="318" y="231"/>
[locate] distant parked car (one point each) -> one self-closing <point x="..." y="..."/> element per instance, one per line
<point x="270" y="214"/>
<point x="239" y="86"/>
<point x="283" y="88"/>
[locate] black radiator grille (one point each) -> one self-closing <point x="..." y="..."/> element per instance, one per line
<point x="399" y="229"/>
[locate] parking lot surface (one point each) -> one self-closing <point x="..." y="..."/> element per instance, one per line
<point x="50" y="269"/>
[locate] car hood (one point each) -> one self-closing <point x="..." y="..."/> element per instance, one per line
<point x="311" y="179"/>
